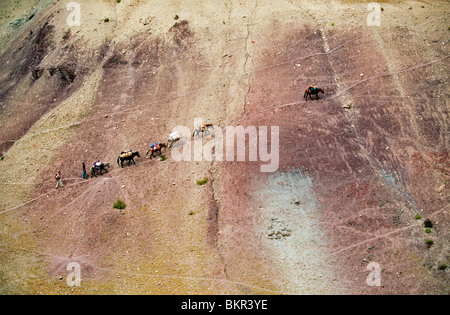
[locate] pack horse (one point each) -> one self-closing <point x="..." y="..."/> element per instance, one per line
<point x="156" y="148"/>
<point x="127" y="156"/>
<point x="313" y="90"/>
<point x="99" y="167"/>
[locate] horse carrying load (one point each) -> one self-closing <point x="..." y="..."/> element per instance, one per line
<point x="129" y="156"/>
<point x="313" y="90"/>
<point x="99" y="167"/>
<point x="154" y="148"/>
<point x="126" y="154"/>
<point x="202" y="129"/>
<point x="173" y="138"/>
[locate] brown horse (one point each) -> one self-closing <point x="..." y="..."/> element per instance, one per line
<point x="157" y="148"/>
<point x="313" y="90"/>
<point x="203" y="129"/>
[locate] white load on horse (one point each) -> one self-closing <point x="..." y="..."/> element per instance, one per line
<point x="99" y="167"/>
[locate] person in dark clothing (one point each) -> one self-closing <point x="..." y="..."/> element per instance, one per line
<point x="84" y="171"/>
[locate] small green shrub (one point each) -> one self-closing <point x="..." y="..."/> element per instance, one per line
<point x="427" y="223"/>
<point x="191" y="213"/>
<point x="429" y="243"/>
<point x="418" y="217"/>
<point x="202" y="182"/>
<point x="106" y="20"/>
<point x="427" y="231"/>
<point x="119" y="204"/>
<point x="163" y="158"/>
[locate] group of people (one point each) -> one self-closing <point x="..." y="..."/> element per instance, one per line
<point x="58" y="178"/>
<point x="97" y="164"/>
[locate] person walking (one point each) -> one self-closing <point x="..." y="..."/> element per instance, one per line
<point x="84" y="171"/>
<point x="58" y="180"/>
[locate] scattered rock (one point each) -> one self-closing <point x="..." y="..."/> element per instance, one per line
<point x="64" y="72"/>
<point x="277" y="230"/>
<point x="347" y="105"/>
<point x="441" y="188"/>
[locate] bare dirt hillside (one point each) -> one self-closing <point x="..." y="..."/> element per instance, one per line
<point x="360" y="170"/>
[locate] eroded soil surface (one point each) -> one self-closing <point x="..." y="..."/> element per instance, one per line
<point x="359" y="170"/>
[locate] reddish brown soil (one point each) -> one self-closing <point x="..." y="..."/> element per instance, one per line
<point x="347" y="191"/>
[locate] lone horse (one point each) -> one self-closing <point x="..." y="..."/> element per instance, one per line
<point x="156" y="148"/>
<point x="127" y="156"/>
<point x="313" y="90"/>
<point x="203" y="129"/>
<point x="99" y="167"/>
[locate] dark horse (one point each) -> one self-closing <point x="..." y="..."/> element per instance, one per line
<point x="313" y="90"/>
<point x="157" y="148"/>
<point x="99" y="167"/>
<point x="127" y="156"/>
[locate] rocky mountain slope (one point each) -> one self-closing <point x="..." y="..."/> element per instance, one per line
<point x="360" y="170"/>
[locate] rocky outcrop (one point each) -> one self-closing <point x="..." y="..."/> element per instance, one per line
<point x="66" y="73"/>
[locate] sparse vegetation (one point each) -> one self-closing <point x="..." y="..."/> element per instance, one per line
<point x="119" y="204"/>
<point x="137" y="81"/>
<point x="383" y="202"/>
<point x="397" y="217"/>
<point x="202" y="181"/>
